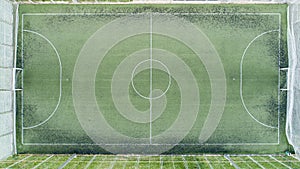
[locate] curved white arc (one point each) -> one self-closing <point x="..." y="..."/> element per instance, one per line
<point x="60" y="80"/>
<point x="241" y="78"/>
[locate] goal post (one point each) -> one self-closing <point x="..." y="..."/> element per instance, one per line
<point x="17" y="79"/>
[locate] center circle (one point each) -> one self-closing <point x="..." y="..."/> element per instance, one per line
<point x="141" y="65"/>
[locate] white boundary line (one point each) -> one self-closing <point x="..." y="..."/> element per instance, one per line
<point x="90" y="162"/>
<point x="208" y="162"/>
<point x="60" y="79"/>
<point x="219" y="162"/>
<point x="101" y="162"/>
<point x="22" y="92"/>
<point x="184" y="162"/>
<point x="295" y="162"/>
<point x="241" y="78"/>
<point x="197" y="163"/>
<point x="161" y="162"/>
<point x="267" y="161"/>
<point x="280" y="162"/>
<point x="256" y="162"/>
<point x="295" y="158"/>
<point x="231" y="161"/>
<point x="125" y="163"/>
<point x="112" y="164"/>
<point x="208" y="144"/>
<point x="43" y="162"/>
<point x="244" y="162"/>
<point x="173" y="162"/>
<point x="279" y="57"/>
<point x="18" y="162"/>
<point x="137" y="162"/>
<point x="67" y="162"/>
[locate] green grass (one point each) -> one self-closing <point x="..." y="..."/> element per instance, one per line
<point x="128" y="162"/>
<point x="229" y="33"/>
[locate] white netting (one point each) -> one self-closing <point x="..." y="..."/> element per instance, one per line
<point x="293" y="95"/>
<point x="6" y="80"/>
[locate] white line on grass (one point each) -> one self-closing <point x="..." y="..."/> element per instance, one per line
<point x="22" y="92"/>
<point x="60" y="79"/>
<point x="125" y="163"/>
<point x="296" y="163"/>
<point x="295" y="158"/>
<point x="184" y="162"/>
<point x="112" y="164"/>
<point x="173" y="162"/>
<point x="197" y="163"/>
<point x="18" y="162"/>
<point x="48" y="158"/>
<point x="90" y="162"/>
<point x="103" y="160"/>
<point x="241" y="79"/>
<point x="244" y="162"/>
<point x="280" y="162"/>
<point x="67" y="162"/>
<point x="137" y="162"/>
<point x="150" y="90"/>
<point x="161" y="162"/>
<point x="256" y="162"/>
<point x="220" y="162"/>
<point x="231" y="161"/>
<point x="208" y="162"/>
<point x="267" y="161"/>
<point x="278" y="101"/>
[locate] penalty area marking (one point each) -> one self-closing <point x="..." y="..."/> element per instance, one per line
<point x="241" y="78"/>
<point x="124" y="14"/>
<point x="60" y="80"/>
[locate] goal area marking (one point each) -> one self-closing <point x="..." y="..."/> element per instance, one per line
<point x="175" y="14"/>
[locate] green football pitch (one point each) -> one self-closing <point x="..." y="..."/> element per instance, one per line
<point x="151" y="79"/>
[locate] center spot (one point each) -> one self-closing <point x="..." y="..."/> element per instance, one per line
<point x="149" y="77"/>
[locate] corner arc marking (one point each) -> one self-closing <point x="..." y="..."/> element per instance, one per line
<point x="241" y="78"/>
<point x="60" y="80"/>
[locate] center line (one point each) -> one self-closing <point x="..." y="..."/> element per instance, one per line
<point x="150" y="120"/>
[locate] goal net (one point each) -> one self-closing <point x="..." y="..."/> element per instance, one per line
<point x="7" y="92"/>
<point x="293" y="94"/>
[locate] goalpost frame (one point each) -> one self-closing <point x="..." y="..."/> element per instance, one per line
<point x="286" y="70"/>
